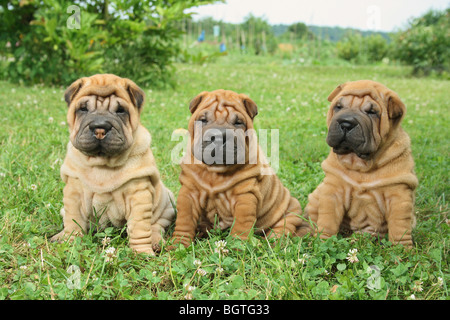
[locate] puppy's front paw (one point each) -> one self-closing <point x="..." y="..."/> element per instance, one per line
<point x="145" y="249"/>
<point x="57" y="237"/>
<point x="63" y="236"/>
<point x="176" y="241"/>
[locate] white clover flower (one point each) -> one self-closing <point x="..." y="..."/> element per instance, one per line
<point x="202" y="272"/>
<point x="106" y="241"/>
<point x="302" y="260"/>
<point x="50" y="119"/>
<point x="220" y="246"/>
<point x="439" y="283"/>
<point x="110" y="250"/>
<point x="219" y="269"/>
<point x="351" y="256"/>
<point x="417" y="286"/>
<point x="110" y="254"/>
<point x="23" y="267"/>
<point x="33" y="187"/>
<point x="189" y="288"/>
<point x="2" y="174"/>
<point x="197" y="263"/>
<point x="412" y="297"/>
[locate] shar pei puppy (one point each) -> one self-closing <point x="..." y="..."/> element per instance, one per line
<point x="369" y="179"/>
<point x="226" y="181"/>
<point x="109" y="170"/>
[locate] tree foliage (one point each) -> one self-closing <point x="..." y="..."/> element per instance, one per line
<point x="426" y="43"/>
<point x="57" y="41"/>
<point x="356" y="48"/>
<point x="299" y="30"/>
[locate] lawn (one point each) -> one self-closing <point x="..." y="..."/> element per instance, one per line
<point x="291" y="98"/>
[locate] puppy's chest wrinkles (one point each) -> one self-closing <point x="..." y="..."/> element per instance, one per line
<point x="364" y="205"/>
<point x="222" y="205"/>
<point x="106" y="207"/>
<point x="217" y="199"/>
<point x="217" y="193"/>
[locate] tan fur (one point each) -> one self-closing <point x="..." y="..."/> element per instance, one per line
<point x="121" y="189"/>
<point x="374" y="195"/>
<point x="236" y="196"/>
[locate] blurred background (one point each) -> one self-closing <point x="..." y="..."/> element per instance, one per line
<point x="58" y="41"/>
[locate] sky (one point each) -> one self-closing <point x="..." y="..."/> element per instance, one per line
<point x="376" y="15"/>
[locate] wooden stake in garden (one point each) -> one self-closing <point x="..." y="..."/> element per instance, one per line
<point x="263" y="37"/>
<point x="243" y="39"/>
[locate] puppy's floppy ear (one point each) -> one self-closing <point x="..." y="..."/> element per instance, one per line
<point x="250" y="106"/>
<point x="72" y="90"/>
<point x="395" y="107"/>
<point x="196" y="101"/>
<point x="136" y="94"/>
<point x="336" y="92"/>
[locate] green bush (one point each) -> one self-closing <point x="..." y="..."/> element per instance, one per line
<point x="426" y="43"/>
<point x="376" y="48"/>
<point x="356" y="48"/>
<point x="350" y="47"/>
<point x="57" y="41"/>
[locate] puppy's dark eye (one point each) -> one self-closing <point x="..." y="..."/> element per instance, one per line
<point x="338" y="107"/>
<point x="203" y="120"/>
<point x="372" y="111"/>
<point x="83" y="107"/>
<point x="239" y="122"/>
<point x="120" y="109"/>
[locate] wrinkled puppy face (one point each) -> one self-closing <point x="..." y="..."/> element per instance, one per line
<point x="361" y="117"/>
<point x="354" y="126"/>
<point x="103" y="126"/>
<point x="103" y="114"/>
<point x="220" y="125"/>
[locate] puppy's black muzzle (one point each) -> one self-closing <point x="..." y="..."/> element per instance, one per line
<point x="221" y="146"/>
<point x="350" y="132"/>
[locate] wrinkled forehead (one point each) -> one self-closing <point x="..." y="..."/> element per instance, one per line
<point x="360" y="92"/>
<point x="353" y="101"/>
<point x="101" y="103"/>
<point x="103" y="87"/>
<point x="222" y="105"/>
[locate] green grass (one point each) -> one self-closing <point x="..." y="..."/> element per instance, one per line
<point x="290" y="98"/>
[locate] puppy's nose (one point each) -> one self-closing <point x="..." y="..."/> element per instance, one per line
<point x="100" y="133"/>
<point x="100" y="128"/>
<point x="347" y="124"/>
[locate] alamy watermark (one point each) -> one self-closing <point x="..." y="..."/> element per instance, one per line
<point x="374" y="17"/>
<point x="74" y="281"/>
<point x="74" y="20"/>
<point x="374" y="280"/>
<point x="224" y="146"/>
